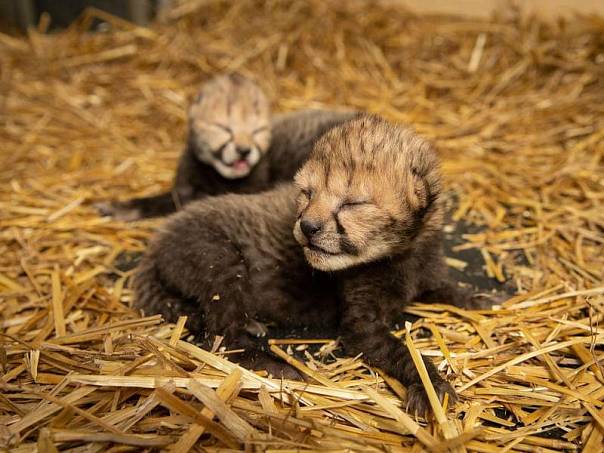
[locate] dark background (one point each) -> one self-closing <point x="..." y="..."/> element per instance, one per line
<point x="17" y="15"/>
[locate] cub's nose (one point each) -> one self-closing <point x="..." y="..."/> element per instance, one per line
<point x="310" y="228"/>
<point x="244" y="152"/>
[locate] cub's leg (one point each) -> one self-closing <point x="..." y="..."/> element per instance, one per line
<point x="447" y="292"/>
<point x="139" y="208"/>
<point x="435" y="286"/>
<point x="153" y="296"/>
<point x="364" y="331"/>
<point x="195" y="273"/>
<point x="225" y="314"/>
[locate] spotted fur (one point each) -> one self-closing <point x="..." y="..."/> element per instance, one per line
<point x="371" y="191"/>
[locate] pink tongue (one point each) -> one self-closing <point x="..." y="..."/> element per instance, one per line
<point x="241" y="165"/>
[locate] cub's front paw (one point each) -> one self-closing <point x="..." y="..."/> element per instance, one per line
<point x="417" y="398"/>
<point x="277" y="369"/>
<point x="118" y="210"/>
<point x="484" y="301"/>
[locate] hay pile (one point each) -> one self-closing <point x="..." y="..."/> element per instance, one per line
<point x="517" y="108"/>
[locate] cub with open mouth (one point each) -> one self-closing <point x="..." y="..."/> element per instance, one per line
<point x="233" y="145"/>
<point x="230" y="126"/>
<point x="367" y="223"/>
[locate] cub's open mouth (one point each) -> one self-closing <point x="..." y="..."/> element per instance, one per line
<point x="240" y="164"/>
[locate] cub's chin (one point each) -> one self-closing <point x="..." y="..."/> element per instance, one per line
<point x="329" y="262"/>
<point x="326" y="260"/>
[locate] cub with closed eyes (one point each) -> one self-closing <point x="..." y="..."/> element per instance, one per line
<point x="234" y="146"/>
<point x="367" y="218"/>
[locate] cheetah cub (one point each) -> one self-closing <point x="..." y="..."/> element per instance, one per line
<point x="356" y="238"/>
<point x="234" y="146"/>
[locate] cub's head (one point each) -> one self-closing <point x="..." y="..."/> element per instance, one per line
<point x="229" y="125"/>
<point x="370" y="190"/>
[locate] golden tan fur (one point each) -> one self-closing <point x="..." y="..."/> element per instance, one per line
<point x="230" y="120"/>
<point x="363" y="186"/>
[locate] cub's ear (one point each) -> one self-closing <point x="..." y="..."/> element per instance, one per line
<point x="419" y="191"/>
<point x="424" y="176"/>
<point x="420" y="200"/>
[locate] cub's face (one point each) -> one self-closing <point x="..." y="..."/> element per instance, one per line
<point x="368" y="191"/>
<point x="230" y="125"/>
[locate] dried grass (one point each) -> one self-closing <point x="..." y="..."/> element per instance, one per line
<point x="516" y="106"/>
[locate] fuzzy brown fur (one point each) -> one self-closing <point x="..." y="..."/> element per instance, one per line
<point x="370" y="192"/>
<point x="233" y="146"/>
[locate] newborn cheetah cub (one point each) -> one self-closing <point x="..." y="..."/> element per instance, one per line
<point x="234" y="145"/>
<point x="366" y="218"/>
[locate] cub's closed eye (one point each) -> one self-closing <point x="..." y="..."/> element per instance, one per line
<point x="227" y="129"/>
<point x="353" y="203"/>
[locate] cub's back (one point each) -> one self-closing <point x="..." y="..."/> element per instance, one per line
<point x="294" y="135"/>
<point x="257" y="224"/>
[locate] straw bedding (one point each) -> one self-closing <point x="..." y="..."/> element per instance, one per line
<point x="516" y="107"/>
